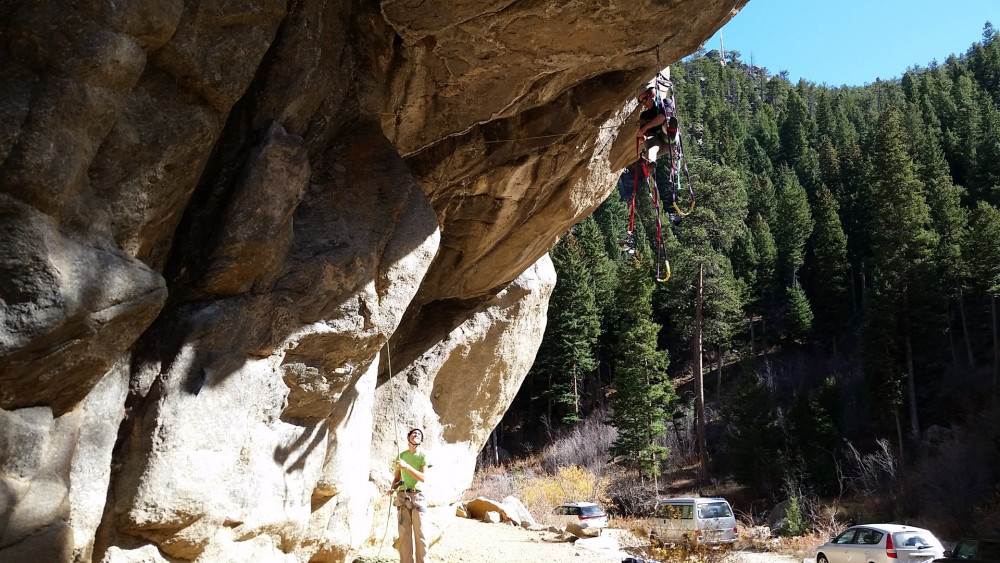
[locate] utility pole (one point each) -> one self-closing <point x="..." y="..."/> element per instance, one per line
<point x="699" y="380"/>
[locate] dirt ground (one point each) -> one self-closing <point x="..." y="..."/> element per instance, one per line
<point x="469" y="541"/>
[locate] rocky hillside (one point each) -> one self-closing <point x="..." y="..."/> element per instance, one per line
<point x="245" y="245"/>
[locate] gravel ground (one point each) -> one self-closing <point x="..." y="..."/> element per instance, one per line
<point x="469" y="541"/>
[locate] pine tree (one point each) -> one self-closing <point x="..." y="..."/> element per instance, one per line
<point x="828" y="279"/>
<point x="814" y="436"/>
<point x="800" y="315"/>
<point x="793" y="228"/>
<point x="643" y="393"/>
<point x="755" y="437"/>
<point x="902" y="243"/>
<point x="982" y="251"/>
<point x="567" y="352"/>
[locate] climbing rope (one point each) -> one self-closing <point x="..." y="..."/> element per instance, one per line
<point x="653" y="192"/>
<point x="395" y="427"/>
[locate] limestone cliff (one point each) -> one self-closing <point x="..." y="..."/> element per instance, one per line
<point x="245" y="244"/>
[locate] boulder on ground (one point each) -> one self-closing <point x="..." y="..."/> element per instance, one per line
<point x="517" y="512"/>
<point x="479" y="506"/>
<point x="581" y="532"/>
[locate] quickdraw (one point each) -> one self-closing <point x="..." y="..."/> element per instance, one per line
<point x="653" y="191"/>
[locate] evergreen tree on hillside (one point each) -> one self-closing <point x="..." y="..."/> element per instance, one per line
<point x="643" y="393"/>
<point x="986" y="171"/>
<point x="767" y="260"/>
<point x="567" y="352"/>
<point x="612" y="219"/>
<point x="982" y="252"/>
<point x="829" y="165"/>
<point x="765" y="131"/>
<point x="755" y="437"/>
<point x="984" y="62"/>
<point x="902" y="245"/>
<point x="814" y="437"/>
<point x="794" y="133"/>
<point x="800" y="315"/>
<point x="828" y="275"/>
<point x="793" y="226"/>
<point x="601" y="269"/>
<point x="764" y="197"/>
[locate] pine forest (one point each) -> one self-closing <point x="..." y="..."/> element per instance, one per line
<point x="840" y="268"/>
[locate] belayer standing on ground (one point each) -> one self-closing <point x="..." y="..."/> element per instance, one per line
<point x="410" y="466"/>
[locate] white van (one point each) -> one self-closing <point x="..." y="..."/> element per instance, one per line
<point x="700" y="520"/>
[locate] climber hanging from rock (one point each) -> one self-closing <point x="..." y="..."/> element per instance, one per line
<point x="658" y="133"/>
<point x="651" y="121"/>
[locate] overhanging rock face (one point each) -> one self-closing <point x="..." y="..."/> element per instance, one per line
<point x="245" y="245"/>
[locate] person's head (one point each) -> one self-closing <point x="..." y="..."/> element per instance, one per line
<point x="415" y="436"/>
<point x="645" y="96"/>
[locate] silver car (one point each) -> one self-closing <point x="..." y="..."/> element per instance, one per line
<point x="881" y="543"/>
<point x="587" y="515"/>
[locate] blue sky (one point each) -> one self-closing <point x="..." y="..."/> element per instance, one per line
<point x="853" y="42"/>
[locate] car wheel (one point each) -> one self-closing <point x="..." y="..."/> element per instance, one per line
<point x="821" y="559"/>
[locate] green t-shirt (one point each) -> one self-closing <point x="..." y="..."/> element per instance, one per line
<point x="417" y="461"/>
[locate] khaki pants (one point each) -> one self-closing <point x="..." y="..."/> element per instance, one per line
<point x="412" y="541"/>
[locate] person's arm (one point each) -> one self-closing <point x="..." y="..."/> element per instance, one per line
<point x="653" y="123"/>
<point x="418" y="474"/>
<point x="397" y="479"/>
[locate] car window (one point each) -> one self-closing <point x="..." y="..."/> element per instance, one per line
<point x="714" y="510"/>
<point x="965" y="549"/>
<point x="591" y="510"/>
<point x="675" y="511"/>
<point x="990" y="550"/>
<point x="846" y="537"/>
<point x="910" y="539"/>
<point x="868" y="536"/>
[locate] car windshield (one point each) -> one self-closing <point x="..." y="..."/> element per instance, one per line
<point x="911" y="539"/>
<point x="714" y="510"/>
<point x="591" y="510"/>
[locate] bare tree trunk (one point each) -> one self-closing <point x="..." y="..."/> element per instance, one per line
<point x="951" y="337"/>
<point x="965" y="328"/>
<point x="864" y="289"/>
<point x="996" y="342"/>
<point x="699" y="381"/>
<point x="576" y="394"/>
<point x="911" y="386"/>
<point x="718" y="374"/>
<point x="763" y="336"/>
<point x="899" y="435"/>
<point x="548" y="401"/>
<point x="854" y="291"/>
<point x="496" y="447"/>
